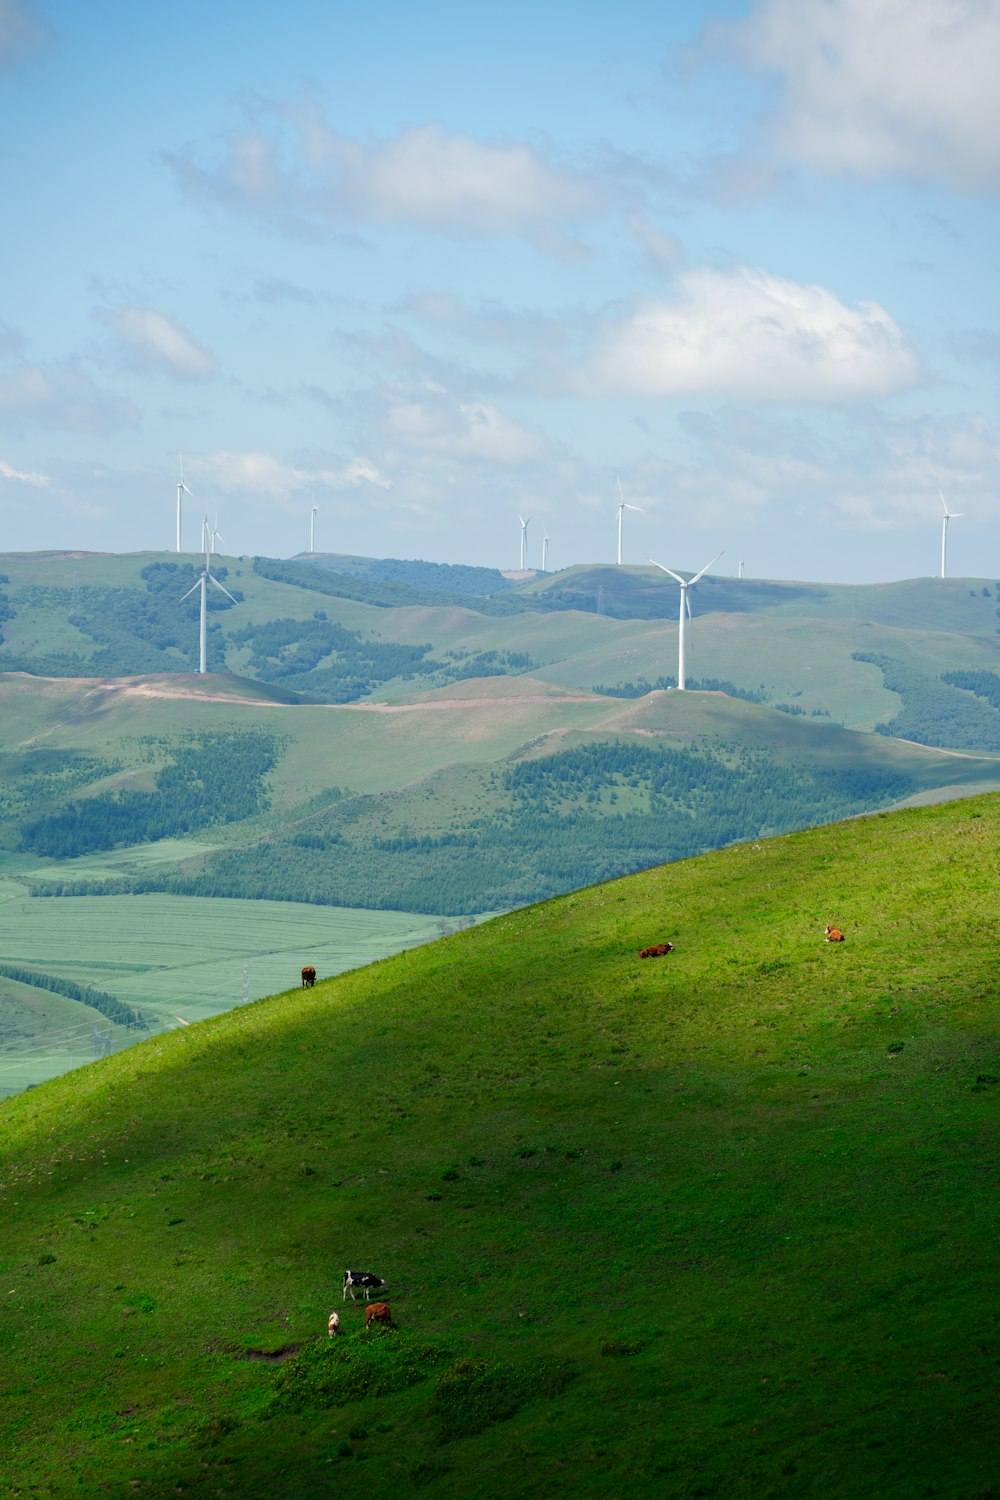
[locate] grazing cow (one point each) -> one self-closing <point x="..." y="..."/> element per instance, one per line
<point x="378" y="1312"/>
<point x="834" y="935"/>
<point x="333" y="1324"/>
<point x="365" y="1280"/>
<point x="308" y="977"/>
<point x="657" y="950"/>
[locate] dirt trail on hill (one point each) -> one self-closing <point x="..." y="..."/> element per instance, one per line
<point x="126" y="688"/>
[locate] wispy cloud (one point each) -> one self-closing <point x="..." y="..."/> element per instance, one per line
<point x="19" y="476"/>
<point x="298" y="173"/>
<point x="754" y="336"/>
<point x="61" y="395"/>
<point x="877" y="88"/>
<point x="150" y="341"/>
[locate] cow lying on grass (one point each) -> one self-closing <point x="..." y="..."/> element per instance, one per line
<point x="834" y="935"/>
<point x="657" y="950"/>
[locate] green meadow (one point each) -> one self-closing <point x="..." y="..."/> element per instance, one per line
<point x="175" y="959"/>
<point x="716" y="1224"/>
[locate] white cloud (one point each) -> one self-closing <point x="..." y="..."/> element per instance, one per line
<point x="308" y="177"/>
<point x="880" y="87"/>
<point x="263" y="474"/>
<point x="37" y="481"/>
<point x="461" y="430"/>
<point x="755" y="336"/>
<point x="152" y="342"/>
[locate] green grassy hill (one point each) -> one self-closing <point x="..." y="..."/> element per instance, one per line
<point x="720" y="1224"/>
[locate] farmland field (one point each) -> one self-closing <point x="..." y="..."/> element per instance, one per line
<point x="175" y="958"/>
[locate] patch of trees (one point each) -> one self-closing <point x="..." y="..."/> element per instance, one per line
<point x="109" y="1005"/>
<point x="446" y="578"/>
<point x="983" y="684"/>
<point x="290" y="652"/>
<point x="555" y="824"/>
<point x="641" y="686"/>
<point x="482" y="664"/>
<point x="6" y="612"/>
<point x="134" y="631"/>
<point x="935" y="710"/>
<point x="382" y="593"/>
<point x="212" y="778"/>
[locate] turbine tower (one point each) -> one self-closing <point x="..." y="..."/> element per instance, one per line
<point x="949" y="515"/>
<point x="312" y="529"/>
<point x="182" y="490"/>
<point x="623" y="506"/>
<point x="524" y="536"/>
<point x="685" y="609"/>
<point x="545" y="549"/>
<point x="202" y="583"/>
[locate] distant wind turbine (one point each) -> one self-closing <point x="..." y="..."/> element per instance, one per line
<point x="312" y="529"/>
<point x="623" y="506"/>
<point x="202" y="583"/>
<point x="545" y="549"/>
<point x="949" y="515"/>
<point x="740" y="574"/>
<point x="685" y="609"/>
<point x="215" y="535"/>
<point x="182" y="490"/>
<point x="524" y="536"/>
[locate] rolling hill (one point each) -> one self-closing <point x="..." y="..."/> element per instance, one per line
<point x="716" y="1224"/>
<point x="410" y="745"/>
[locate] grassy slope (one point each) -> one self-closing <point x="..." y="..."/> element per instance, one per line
<point x="763" y="1165"/>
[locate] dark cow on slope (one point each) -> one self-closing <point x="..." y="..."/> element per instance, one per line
<point x="365" y="1281"/>
<point x="658" y="950"/>
<point x="308" y="977"/>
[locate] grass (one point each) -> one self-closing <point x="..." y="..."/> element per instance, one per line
<point x="171" y="957"/>
<point x="721" y="1224"/>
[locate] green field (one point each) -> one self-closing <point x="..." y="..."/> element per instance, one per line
<point x="176" y="959"/>
<point x="719" y="1224"/>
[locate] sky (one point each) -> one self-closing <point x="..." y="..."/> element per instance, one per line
<point x="431" y="269"/>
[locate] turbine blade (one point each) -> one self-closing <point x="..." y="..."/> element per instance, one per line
<point x="680" y="580"/>
<point x="190" y="591"/>
<point x="220" y="586"/>
<point x="705" y="569"/>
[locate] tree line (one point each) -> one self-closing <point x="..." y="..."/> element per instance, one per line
<point x="212" y="778"/>
<point x="109" y="1005"/>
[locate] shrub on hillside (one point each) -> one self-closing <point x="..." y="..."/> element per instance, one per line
<point x="349" y="1368"/>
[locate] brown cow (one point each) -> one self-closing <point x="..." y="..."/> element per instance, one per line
<point x="308" y="977"/>
<point x="834" y="935"/>
<point x="378" y="1312"/>
<point x="333" y="1325"/>
<point x="657" y="950"/>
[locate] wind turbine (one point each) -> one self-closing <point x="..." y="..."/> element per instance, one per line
<point x="202" y="583"/>
<point x="182" y="490"/>
<point x="524" y="535"/>
<point x="312" y="528"/>
<point x="545" y="549"/>
<point x="740" y="573"/>
<point x="215" y="535"/>
<point x="623" y="506"/>
<point x="949" y="515"/>
<point x="685" y="609"/>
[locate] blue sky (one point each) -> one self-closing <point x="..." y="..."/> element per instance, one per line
<point x="431" y="267"/>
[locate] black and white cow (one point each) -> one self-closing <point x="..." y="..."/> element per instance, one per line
<point x="365" y="1281"/>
